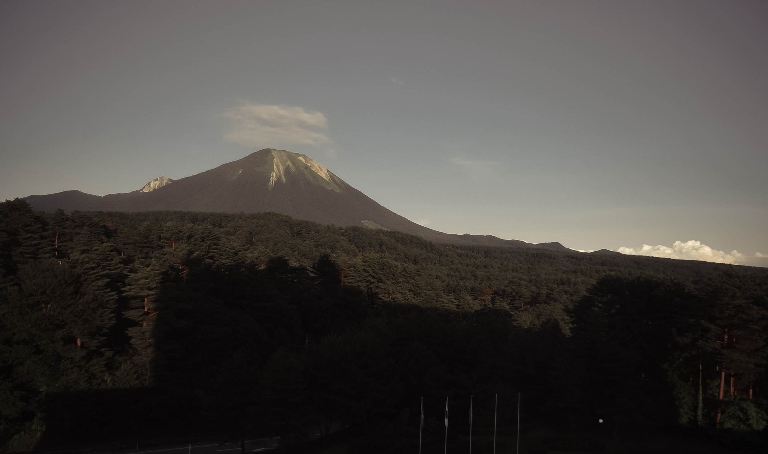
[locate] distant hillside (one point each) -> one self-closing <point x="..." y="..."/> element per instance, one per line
<point x="265" y="181"/>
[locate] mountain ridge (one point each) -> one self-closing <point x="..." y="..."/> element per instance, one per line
<point x="268" y="180"/>
<point x="157" y="183"/>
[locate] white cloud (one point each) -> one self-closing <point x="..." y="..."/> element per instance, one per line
<point x="689" y="250"/>
<point x="759" y="259"/>
<point x="423" y="222"/>
<point x="263" y="125"/>
<point x="396" y="81"/>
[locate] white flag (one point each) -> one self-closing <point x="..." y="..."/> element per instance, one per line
<point x="446" y="412"/>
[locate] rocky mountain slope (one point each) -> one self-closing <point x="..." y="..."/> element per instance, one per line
<point x="268" y="180"/>
<point x="157" y="183"/>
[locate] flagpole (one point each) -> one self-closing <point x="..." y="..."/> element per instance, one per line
<point x="470" y="424"/>
<point x="518" y="423"/>
<point x="446" y="425"/>
<point x="421" y="424"/>
<point x="495" y="407"/>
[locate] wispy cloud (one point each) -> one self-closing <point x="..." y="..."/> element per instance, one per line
<point x="694" y="250"/>
<point x="264" y="125"/>
<point x="396" y="81"/>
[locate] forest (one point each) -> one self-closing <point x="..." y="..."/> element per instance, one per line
<point x="120" y="328"/>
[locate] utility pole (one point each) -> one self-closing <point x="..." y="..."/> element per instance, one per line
<point x="495" y="411"/>
<point x="518" y="423"/>
<point x="421" y="425"/>
<point x="446" y="425"/>
<point x="470" y="424"/>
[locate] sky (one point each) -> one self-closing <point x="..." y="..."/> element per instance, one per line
<point x="622" y="125"/>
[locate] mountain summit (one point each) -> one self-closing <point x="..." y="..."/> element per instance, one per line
<point x="286" y="162"/>
<point x="268" y="180"/>
<point x="157" y="183"/>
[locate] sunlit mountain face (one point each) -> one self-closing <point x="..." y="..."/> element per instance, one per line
<point x="267" y="180"/>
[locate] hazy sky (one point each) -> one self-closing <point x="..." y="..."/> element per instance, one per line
<point x="598" y="124"/>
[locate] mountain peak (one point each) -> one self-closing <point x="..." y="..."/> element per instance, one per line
<point x="279" y="165"/>
<point x="267" y="180"/>
<point x="157" y="183"/>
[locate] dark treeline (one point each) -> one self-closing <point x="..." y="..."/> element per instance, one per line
<point x="134" y="327"/>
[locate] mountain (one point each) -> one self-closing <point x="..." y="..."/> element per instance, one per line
<point x="268" y="180"/>
<point x="553" y="246"/>
<point x="157" y="183"/>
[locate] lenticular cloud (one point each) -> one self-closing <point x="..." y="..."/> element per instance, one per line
<point x="689" y="250"/>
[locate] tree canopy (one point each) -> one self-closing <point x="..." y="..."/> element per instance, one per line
<point x="166" y="324"/>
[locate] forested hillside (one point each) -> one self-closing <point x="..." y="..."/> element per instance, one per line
<point x="122" y="327"/>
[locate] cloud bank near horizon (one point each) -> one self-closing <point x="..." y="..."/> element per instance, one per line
<point x="264" y="125"/>
<point x="696" y="250"/>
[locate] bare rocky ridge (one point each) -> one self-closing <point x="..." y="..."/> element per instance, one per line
<point x="157" y="183"/>
<point x="268" y="180"/>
